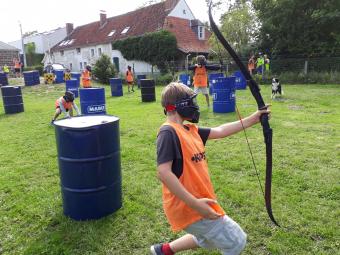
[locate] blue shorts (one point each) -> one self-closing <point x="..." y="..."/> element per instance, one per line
<point x="223" y="234"/>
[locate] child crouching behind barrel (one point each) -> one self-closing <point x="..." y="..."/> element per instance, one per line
<point x="65" y="104"/>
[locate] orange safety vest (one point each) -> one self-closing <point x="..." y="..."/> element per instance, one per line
<point x="86" y="79"/>
<point x="17" y="64"/>
<point x="67" y="105"/>
<point x="200" y="77"/>
<point x="129" y="76"/>
<point x="195" y="178"/>
<point x="251" y="64"/>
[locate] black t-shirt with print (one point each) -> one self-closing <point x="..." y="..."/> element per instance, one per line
<point x="169" y="147"/>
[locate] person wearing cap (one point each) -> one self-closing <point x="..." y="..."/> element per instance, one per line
<point x="65" y="104"/>
<point x="189" y="200"/>
<point x="200" y="76"/>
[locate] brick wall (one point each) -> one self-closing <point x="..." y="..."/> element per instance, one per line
<point x="6" y="57"/>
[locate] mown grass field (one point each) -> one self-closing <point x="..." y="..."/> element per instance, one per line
<point x="306" y="175"/>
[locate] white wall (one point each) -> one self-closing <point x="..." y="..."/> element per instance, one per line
<point x="182" y="10"/>
<point x="139" y="66"/>
<point x="74" y="58"/>
<point x="42" y="41"/>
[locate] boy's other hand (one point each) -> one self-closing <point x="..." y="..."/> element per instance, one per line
<point x="203" y="207"/>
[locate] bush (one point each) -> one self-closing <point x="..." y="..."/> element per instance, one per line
<point x="310" y="78"/>
<point x="164" y="79"/>
<point x="40" y="68"/>
<point x="103" y="69"/>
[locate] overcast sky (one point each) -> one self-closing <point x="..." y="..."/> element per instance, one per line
<point x="45" y="15"/>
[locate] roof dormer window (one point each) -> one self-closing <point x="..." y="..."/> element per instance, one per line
<point x="112" y="33"/>
<point x="125" y="30"/>
<point x="201" y="33"/>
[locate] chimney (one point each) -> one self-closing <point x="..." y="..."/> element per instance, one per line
<point x="170" y="4"/>
<point x="102" y="18"/>
<point x="69" y="28"/>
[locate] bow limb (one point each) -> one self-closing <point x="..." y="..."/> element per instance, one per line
<point x="267" y="131"/>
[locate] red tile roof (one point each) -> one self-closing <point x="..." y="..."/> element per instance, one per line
<point x="140" y="21"/>
<point x="187" y="39"/>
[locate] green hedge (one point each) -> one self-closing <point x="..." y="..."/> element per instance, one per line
<point x="40" y="68"/>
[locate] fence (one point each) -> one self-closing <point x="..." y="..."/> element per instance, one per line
<point x="291" y="69"/>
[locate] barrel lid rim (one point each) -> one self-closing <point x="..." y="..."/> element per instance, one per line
<point x="59" y="123"/>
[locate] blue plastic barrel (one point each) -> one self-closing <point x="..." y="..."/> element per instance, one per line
<point x="140" y="77"/>
<point x="59" y="76"/>
<point x="224" y="95"/>
<point x="92" y="101"/>
<point x="12" y="99"/>
<point x="212" y="79"/>
<point x="75" y="75"/>
<point x="240" y="81"/>
<point x="31" y="78"/>
<point x="73" y="86"/>
<point x="89" y="165"/>
<point x="36" y="77"/>
<point x="116" y="87"/>
<point x="185" y="79"/>
<point x="3" y="79"/>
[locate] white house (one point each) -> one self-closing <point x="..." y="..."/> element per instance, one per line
<point x="43" y="41"/>
<point x="85" y="44"/>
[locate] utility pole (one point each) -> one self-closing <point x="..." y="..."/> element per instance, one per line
<point x="22" y="44"/>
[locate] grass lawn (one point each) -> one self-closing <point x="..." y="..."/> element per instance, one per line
<point x="305" y="193"/>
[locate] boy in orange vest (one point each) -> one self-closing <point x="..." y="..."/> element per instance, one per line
<point x="65" y="104"/>
<point x="189" y="200"/>
<point x="86" y="77"/>
<point x="201" y="76"/>
<point x="129" y="79"/>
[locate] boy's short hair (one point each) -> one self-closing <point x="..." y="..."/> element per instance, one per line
<point x="175" y="92"/>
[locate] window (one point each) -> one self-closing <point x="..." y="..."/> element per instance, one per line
<point x="61" y="53"/>
<point x="92" y="52"/>
<point x="125" y="30"/>
<point x="184" y="12"/>
<point x="99" y="51"/>
<point x="69" y="42"/>
<point x="201" y="33"/>
<point x="70" y="66"/>
<point x="81" y="66"/>
<point x="78" y="50"/>
<point x="112" y="33"/>
<point x="85" y="64"/>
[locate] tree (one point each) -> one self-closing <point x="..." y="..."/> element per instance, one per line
<point x="29" y="33"/>
<point x="104" y="69"/>
<point x="239" y="26"/>
<point x="299" y="27"/>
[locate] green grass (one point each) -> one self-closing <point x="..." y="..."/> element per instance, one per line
<point x="305" y="193"/>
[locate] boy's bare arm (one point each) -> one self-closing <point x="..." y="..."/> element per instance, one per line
<point x="201" y="205"/>
<point x="228" y="129"/>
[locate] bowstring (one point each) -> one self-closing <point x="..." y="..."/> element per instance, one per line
<point x="244" y="130"/>
<point x="250" y="150"/>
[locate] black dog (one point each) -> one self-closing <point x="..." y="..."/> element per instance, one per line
<point x="276" y="88"/>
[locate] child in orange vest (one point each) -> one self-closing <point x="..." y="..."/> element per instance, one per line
<point x="17" y="67"/>
<point x="86" y="77"/>
<point x="189" y="200"/>
<point x="201" y="76"/>
<point x="65" y="104"/>
<point x="129" y="79"/>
